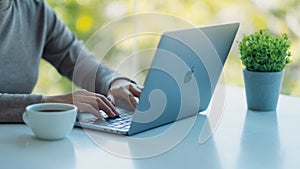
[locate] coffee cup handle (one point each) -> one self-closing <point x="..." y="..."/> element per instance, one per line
<point x="25" y="118"/>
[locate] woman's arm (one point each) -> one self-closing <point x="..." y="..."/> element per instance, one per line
<point x="69" y="56"/>
<point x="12" y="106"/>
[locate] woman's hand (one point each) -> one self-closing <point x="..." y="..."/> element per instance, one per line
<point x="122" y="93"/>
<point x="86" y="101"/>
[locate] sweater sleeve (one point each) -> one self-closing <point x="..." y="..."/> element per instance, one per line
<point x="72" y="59"/>
<point x="12" y="106"/>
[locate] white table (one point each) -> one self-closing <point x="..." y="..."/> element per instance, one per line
<point x="242" y="140"/>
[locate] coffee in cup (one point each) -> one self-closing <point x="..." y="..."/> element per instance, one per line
<point x="50" y="121"/>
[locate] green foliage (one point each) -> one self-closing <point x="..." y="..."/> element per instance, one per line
<point x="264" y="52"/>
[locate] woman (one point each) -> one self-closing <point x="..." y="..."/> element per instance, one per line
<point x="30" y="30"/>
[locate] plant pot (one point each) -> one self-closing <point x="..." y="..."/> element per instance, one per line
<point x="262" y="89"/>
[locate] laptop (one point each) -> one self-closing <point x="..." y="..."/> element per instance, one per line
<point x="180" y="82"/>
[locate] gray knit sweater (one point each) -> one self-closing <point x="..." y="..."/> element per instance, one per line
<point x="30" y="30"/>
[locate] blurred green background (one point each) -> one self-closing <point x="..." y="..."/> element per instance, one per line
<point x="85" y="17"/>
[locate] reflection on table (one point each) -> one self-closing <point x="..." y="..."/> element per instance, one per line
<point x="21" y="149"/>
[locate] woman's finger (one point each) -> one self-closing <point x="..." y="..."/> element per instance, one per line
<point x="128" y="96"/>
<point x="108" y="103"/>
<point x="132" y="101"/>
<point x="139" y="87"/>
<point x="89" y="108"/>
<point x="135" y="90"/>
<point x="107" y="107"/>
<point x="91" y="100"/>
<point x="97" y="101"/>
<point x="111" y="98"/>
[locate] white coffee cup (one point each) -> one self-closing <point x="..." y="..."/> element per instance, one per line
<point x="50" y="121"/>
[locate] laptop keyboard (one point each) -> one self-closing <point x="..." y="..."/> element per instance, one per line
<point x="121" y="122"/>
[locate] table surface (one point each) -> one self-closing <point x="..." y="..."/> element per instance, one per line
<point x="232" y="138"/>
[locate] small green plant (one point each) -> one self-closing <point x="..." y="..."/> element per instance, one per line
<point x="264" y="52"/>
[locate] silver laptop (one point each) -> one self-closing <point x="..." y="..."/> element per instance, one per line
<point x="180" y="82"/>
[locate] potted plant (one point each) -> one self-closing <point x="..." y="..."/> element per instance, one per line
<point x="264" y="56"/>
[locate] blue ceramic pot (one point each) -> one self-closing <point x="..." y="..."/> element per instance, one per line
<point x="262" y="89"/>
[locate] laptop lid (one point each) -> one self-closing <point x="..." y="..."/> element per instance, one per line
<point x="183" y="75"/>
